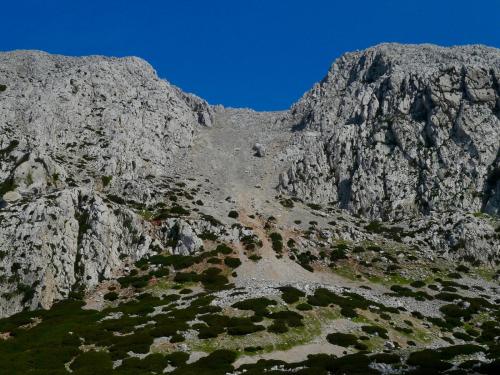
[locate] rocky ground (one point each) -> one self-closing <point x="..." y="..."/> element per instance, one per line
<point x="144" y="231"/>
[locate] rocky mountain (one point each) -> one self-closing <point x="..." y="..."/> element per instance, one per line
<point x="402" y="130"/>
<point x="120" y="190"/>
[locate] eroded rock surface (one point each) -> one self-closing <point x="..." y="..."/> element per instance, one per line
<point x="399" y="130"/>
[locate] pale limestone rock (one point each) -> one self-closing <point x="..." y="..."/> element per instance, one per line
<point x="11" y="196"/>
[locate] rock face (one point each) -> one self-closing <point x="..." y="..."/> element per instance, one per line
<point x="62" y="242"/>
<point x="69" y="129"/>
<point x="72" y="121"/>
<point x="399" y="130"/>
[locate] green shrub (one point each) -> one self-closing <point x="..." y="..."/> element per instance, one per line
<point x="177" y="261"/>
<point x="233" y="214"/>
<point x="212" y="280"/>
<point x="151" y="363"/>
<point x="304" y="307"/>
<point x="276" y="242"/>
<point x="255" y="257"/>
<point x="462" y="336"/>
<point x="111" y="296"/>
<point x="216" y="363"/>
<point x="223" y="249"/>
<point x="251" y="242"/>
<point x="375" y="330"/>
<point x="242" y="327"/>
<point x="206" y="235"/>
<point x="385" y="358"/>
<point x="407" y="292"/>
<point x="342" y="339"/>
<point x="462" y="268"/>
<point x="314" y="206"/>
<point x="290" y="318"/>
<point x="177" y="338"/>
<point x="214" y="261"/>
<point x="232" y="262"/>
<point x="428" y="359"/>
<point x="178" y="210"/>
<point x="257" y="305"/>
<point x="417" y="284"/>
<point x="92" y="362"/>
<point x="278" y="326"/>
<point x="186" y="277"/>
<point x="136" y="282"/>
<point x="338" y="254"/>
<point x="291" y="294"/>
<point x="177" y="359"/>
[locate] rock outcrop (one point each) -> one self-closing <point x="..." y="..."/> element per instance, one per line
<point x="69" y="129"/>
<point x="62" y="242"/>
<point x="400" y="130"/>
<point x="89" y="121"/>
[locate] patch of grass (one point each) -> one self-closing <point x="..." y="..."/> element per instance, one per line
<point x="345" y="271"/>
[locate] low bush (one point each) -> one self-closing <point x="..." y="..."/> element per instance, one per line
<point x="342" y="339"/>
<point x="291" y="294"/>
<point x="233" y="214"/>
<point x="232" y="262"/>
<point x="111" y="296"/>
<point x="304" y="307"/>
<point x="257" y="305"/>
<point x="92" y="362"/>
<point x="375" y="330"/>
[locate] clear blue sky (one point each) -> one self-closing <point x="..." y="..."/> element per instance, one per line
<point x="262" y="54"/>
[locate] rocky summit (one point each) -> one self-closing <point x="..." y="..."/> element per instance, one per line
<point x="144" y="231"/>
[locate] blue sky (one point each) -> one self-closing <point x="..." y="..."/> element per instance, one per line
<point x="262" y="54"/>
